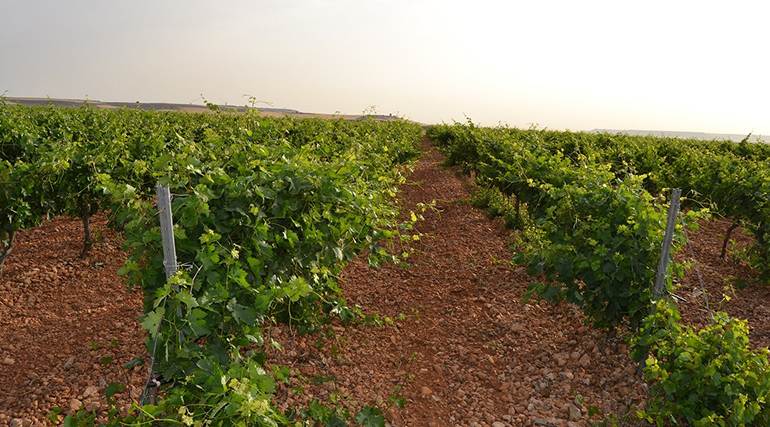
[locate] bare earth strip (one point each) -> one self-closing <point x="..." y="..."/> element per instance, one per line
<point x="467" y="350"/>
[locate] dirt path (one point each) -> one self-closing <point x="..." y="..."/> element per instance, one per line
<point x="457" y="343"/>
<point x="466" y="351"/>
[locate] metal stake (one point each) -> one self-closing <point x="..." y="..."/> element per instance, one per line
<point x="665" y="257"/>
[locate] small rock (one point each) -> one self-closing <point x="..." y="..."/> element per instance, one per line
<point x="498" y="424"/>
<point x="425" y="391"/>
<point x="75" y="405"/>
<point x="90" y="391"/>
<point x="9" y="361"/>
<point x="92" y="405"/>
<point x="391" y="414"/>
<point x="584" y="361"/>
<point x="16" y="422"/>
<point x="574" y="412"/>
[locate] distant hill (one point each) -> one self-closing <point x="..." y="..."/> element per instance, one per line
<point x="192" y="108"/>
<point x="688" y="135"/>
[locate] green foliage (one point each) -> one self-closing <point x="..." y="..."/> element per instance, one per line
<point x="592" y="234"/>
<point x="370" y="417"/>
<point x="266" y="213"/>
<point x="498" y="204"/>
<point x="732" y="179"/>
<point x="706" y="377"/>
<point x="602" y="240"/>
<point x="24" y="202"/>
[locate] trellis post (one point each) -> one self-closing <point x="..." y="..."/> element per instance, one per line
<point x="665" y="257"/>
<point x="169" y="259"/>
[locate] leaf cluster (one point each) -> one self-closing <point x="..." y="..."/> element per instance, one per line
<point x="706" y="377"/>
<point x="594" y="237"/>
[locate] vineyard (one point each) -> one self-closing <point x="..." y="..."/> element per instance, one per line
<point x="266" y="213"/>
<point x="322" y="283"/>
<point x="592" y="227"/>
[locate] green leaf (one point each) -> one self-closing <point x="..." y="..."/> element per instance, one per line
<point x="113" y="389"/>
<point x="216" y="409"/>
<point x="187" y="298"/>
<point x="241" y="313"/>
<point x="297" y="288"/>
<point x="257" y="339"/>
<point x="282" y="373"/>
<point x="336" y="422"/>
<point x="151" y="321"/>
<point x="197" y="321"/>
<point x="139" y="361"/>
<point x="69" y="421"/>
<point x="370" y="417"/>
<point x="54" y="414"/>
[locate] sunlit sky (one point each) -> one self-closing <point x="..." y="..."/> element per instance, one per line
<point x="578" y="65"/>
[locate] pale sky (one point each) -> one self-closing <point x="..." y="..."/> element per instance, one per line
<point x="658" y="65"/>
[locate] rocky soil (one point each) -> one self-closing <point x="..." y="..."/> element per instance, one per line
<point x="456" y="341"/>
<point x="59" y="317"/>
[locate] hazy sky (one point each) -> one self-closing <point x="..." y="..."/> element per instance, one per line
<point x="662" y="65"/>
